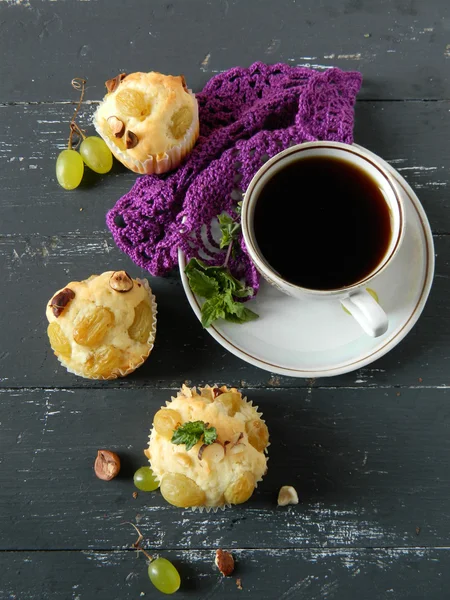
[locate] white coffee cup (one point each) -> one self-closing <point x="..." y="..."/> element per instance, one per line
<point x="355" y="298"/>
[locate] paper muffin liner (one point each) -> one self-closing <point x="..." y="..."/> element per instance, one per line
<point x="187" y="392"/>
<point x="156" y="164"/>
<point x="150" y="342"/>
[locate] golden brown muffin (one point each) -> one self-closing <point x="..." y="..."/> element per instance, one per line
<point x="148" y="120"/>
<point x="103" y="327"/>
<point x="221" y="473"/>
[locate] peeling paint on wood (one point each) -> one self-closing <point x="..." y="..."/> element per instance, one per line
<point x="367" y="451"/>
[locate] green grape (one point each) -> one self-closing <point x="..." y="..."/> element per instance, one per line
<point x="69" y="169"/>
<point x="164" y="576"/>
<point x="144" y="480"/>
<point x="96" y="154"/>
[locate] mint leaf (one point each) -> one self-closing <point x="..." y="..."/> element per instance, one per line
<point x="210" y="435"/>
<point x="229" y="229"/>
<point x="195" y="264"/>
<point x="227" y="281"/>
<point x="244" y="313"/>
<point x="239" y="207"/>
<point x="245" y="292"/>
<point x="236" y="312"/>
<point x="228" y="302"/>
<point x="212" y="309"/>
<point x="201" y="284"/>
<point x="220" y="289"/>
<point x="192" y="432"/>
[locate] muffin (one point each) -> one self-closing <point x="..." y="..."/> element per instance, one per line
<point x="217" y="468"/>
<point x="148" y="120"/>
<point x="103" y="327"/>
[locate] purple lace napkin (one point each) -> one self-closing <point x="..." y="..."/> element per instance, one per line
<point x="246" y="117"/>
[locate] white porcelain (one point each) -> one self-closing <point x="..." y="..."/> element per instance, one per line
<point x="307" y="338"/>
<point x="362" y="306"/>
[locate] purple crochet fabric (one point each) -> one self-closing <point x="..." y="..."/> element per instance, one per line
<point x="246" y="117"/>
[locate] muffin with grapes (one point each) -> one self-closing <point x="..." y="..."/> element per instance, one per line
<point x="103" y="327"/>
<point x="148" y="120"/>
<point x="208" y="448"/>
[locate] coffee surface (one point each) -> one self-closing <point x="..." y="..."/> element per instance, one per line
<point x="322" y="223"/>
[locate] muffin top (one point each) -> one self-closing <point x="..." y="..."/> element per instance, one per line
<point x="146" y="114"/>
<point x="223" y="471"/>
<point x="103" y="326"/>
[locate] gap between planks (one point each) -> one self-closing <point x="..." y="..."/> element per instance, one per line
<point x="263" y="386"/>
<point x="95" y="102"/>
<point x="334" y="549"/>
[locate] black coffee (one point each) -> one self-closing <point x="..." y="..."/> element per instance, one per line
<point x="322" y="223"/>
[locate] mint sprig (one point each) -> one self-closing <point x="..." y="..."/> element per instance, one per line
<point x="220" y="289"/>
<point x="192" y="432"/>
<point x="229" y="228"/>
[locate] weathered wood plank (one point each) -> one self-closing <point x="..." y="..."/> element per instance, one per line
<point x="401" y="46"/>
<point x="369" y="466"/>
<point x="397" y="574"/>
<point x="410" y="135"/>
<point x="36" y="266"/>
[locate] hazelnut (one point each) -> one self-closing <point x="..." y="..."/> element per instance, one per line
<point x="107" y="465"/>
<point x="120" y="281"/>
<point x="131" y="140"/>
<point x="117" y="126"/>
<point x="61" y="300"/>
<point x="113" y="83"/>
<point x="224" y="562"/>
<point x="287" y="495"/>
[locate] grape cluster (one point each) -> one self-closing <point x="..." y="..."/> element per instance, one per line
<point x="93" y="152"/>
<point x="70" y="163"/>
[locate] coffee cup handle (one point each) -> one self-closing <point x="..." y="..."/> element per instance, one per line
<point x="367" y="312"/>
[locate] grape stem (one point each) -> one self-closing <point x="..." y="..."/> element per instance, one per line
<point x="78" y="84"/>
<point x="75" y="129"/>
<point x="137" y="544"/>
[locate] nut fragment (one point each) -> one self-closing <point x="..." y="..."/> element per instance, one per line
<point x="131" y="140"/>
<point x="117" y="126"/>
<point x="107" y="465"/>
<point x="61" y="300"/>
<point x="287" y="495"/>
<point x="212" y="453"/>
<point x="224" y="562"/>
<point x="120" y="281"/>
<point x="113" y="83"/>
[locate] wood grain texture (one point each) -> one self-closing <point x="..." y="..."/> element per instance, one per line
<point x="401" y="46"/>
<point x="364" y="463"/>
<point x="317" y="574"/>
<point x="410" y="135"/>
<point x="368" y="451"/>
<point x="36" y="266"/>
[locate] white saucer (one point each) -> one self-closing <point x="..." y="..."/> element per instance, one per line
<point x="304" y="338"/>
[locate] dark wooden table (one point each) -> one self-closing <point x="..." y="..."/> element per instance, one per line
<point x="368" y="452"/>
